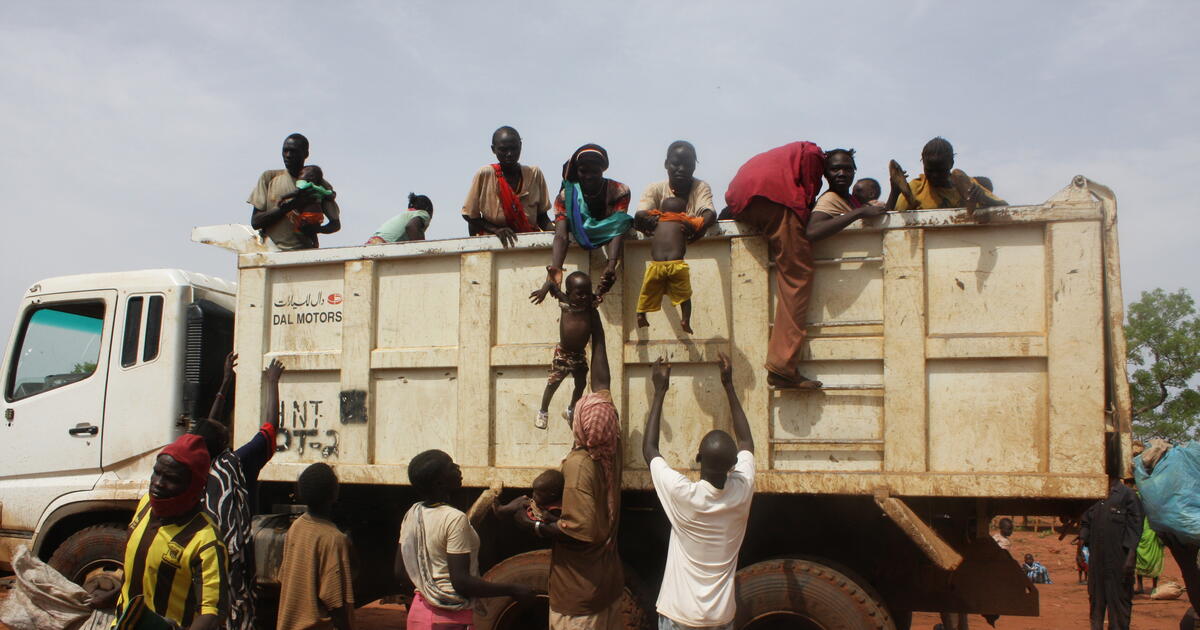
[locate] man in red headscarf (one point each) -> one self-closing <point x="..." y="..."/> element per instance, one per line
<point x="175" y="562"/>
<point x="774" y="193"/>
<point x="586" y="580"/>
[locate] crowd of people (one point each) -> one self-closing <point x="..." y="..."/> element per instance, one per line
<point x="776" y="193"/>
<point x="189" y="561"/>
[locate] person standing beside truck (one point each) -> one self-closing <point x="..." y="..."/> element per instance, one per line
<point x="1111" y="529"/>
<point x="507" y="198"/>
<point x="439" y="549"/>
<point x="681" y="182"/>
<point x="272" y="205"/>
<point x="316" y="590"/>
<point x="591" y="209"/>
<point x="708" y="517"/>
<point x="175" y="561"/>
<point x="774" y="192"/>
<point x="586" y="577"/>
<point x="230" y="495"/>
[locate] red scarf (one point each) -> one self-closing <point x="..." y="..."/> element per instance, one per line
<point x="190" y="451"/>
<point x="514" y="214"/>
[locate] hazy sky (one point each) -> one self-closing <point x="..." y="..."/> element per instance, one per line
<point x="125" y="124"/>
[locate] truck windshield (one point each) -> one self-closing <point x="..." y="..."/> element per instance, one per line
<point x="59" y="345"/>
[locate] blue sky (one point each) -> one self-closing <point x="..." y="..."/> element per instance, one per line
<point x="125" y="124"/>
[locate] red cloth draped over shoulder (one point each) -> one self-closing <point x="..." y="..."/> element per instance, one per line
<point x="514" y="214"/>
<point x="789" y="175"/>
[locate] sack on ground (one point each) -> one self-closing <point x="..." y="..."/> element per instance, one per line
<point x="1167" y="590"/>
<point x="42" y="598"/>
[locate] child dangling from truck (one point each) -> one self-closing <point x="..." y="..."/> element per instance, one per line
<point x="579" y="318"/>
<point x="667" y="272"/>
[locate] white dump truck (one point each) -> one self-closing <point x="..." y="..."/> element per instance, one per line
<point x="974" y="365"/>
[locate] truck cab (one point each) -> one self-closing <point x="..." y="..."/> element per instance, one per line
<point x="100" y="371"/>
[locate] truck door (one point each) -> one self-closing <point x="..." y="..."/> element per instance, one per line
<point x="55" y="376"/>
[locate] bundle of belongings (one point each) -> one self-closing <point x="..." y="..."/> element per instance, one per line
<point x="1168" y="479"/>
<point x="44" y="599"/>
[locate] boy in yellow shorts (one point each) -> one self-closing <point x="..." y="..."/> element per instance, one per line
<point x="667" y="273"/>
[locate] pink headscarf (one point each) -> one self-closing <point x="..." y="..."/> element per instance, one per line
<point x="597" y="429"/>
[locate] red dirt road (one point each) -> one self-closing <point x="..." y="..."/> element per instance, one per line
<point x="1064" y="604"/>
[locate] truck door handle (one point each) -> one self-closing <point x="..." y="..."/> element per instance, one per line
<point x="84" y="429"/>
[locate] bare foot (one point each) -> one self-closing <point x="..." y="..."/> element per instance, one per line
<point x="899" y="179"/>
<point x="642" y="321"/>
<point x="686" y="326"/>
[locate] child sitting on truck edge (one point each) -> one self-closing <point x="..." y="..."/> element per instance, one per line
<point x="546" y="505"/>
<point x="667" y="272"/>
<point x="579" y="318"/>
<point x="309" y="216"/>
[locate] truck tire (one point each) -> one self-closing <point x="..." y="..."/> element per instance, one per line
<point x="91" y="552"/>
<point x="533" y="569"/>
<point x="802" y="594"/>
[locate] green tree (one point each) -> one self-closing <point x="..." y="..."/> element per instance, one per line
<point x="1163" y="335"/>
<point x="84" y="368"/>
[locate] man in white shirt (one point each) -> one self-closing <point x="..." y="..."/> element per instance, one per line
<point x="708" y="517"/>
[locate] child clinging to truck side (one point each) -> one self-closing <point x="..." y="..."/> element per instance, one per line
<point x="667" y="272"/>
<point x="579" y="318"/>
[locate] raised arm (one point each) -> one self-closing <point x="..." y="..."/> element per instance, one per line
<point x="271" y="379"/>
<point x="661" y="376"/>
<point x="218" y="407"/>
<point x="741" y="426"/>
<point x="601" y="378"/>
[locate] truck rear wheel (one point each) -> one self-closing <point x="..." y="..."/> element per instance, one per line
<point x="805" y="595"/>
<point x="533" y="569"/>
<point x="92" y="553"/>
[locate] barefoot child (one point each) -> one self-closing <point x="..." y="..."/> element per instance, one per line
<point x="579" y="318"/>
<point x="667" y="272"/>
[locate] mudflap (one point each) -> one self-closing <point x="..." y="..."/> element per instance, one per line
<point x="989" y="582"/>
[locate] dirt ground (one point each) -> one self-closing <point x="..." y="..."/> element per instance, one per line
<point x="1064" y="604"/>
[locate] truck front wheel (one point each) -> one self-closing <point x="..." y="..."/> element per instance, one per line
<point x="92" y="553"/>
<point x="533" y="569"/>
<point x="804" y="595"/>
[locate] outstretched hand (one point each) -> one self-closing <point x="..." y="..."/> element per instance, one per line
<point x="726" y="368"/>
<point x="274" y="371"/>
<point x="539" y="296"/>
<point x="230" y="364"/>
<point x="660" y="375"/>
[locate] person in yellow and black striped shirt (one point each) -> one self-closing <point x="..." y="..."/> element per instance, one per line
<point x="175" y="558"/>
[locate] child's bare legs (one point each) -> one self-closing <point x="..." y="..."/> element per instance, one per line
<point x="685" y="309"/>
<point x="642" y="321"/>
<point x="580" y="386"/>
<point x="543" y="415"/>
